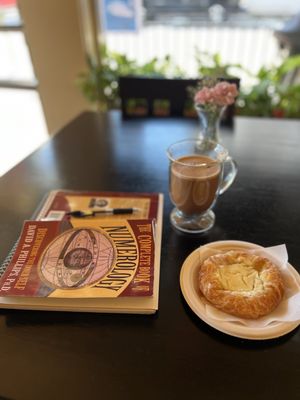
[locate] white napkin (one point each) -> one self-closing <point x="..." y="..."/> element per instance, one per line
<point x="289" y="308"/>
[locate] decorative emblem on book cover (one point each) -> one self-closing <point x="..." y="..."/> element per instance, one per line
<point x="77" y="258"/>
<point x="101" y="260"/>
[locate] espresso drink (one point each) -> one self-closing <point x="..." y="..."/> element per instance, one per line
<point x="193" y="187"/>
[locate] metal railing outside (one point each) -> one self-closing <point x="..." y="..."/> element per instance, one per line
<point x="252" y="47"/>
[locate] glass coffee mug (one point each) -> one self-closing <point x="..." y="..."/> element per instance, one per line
<point x="199" y="171"/>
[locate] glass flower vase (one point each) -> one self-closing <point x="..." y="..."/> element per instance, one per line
<point x="209" y="118"/>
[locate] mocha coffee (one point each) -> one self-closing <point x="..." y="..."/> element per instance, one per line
<point x="194" y="182"/>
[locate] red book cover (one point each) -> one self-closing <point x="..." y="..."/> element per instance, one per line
<point x="82" y="258"/>
<point x="60" y="202"/>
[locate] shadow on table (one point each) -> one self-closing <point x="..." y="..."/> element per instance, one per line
<point x="15" y="318"/>
<point x="232" y="340"/>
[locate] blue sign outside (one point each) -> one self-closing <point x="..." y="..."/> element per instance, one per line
<point x="120" y="15"/>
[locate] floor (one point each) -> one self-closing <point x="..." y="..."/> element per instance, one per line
<point x="22" y="126"/>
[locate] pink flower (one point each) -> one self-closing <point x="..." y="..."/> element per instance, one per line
<point x="203" y="96"/>
<point x="222" y="94"/>
<point x="221" y="88"/>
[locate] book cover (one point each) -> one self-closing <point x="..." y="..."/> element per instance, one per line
<point x="109" y="263"/>
<point x="60" y="202"/>
<point x="95" y="259"/>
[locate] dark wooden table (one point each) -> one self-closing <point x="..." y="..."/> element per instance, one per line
<point x="172" y="354"/>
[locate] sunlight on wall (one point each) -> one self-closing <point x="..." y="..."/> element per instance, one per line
<point x="23" y="127"/>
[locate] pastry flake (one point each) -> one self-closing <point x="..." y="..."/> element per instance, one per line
<point x="241" y="284"/>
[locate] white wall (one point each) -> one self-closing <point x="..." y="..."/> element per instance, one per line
<point x="52" y="31"/>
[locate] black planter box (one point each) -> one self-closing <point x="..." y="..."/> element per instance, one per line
<point x="160" y="97"/>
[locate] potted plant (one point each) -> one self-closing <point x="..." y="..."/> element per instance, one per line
<point x="100" y="84"/>
<point x="273" y="94"/>
<point x="211" y="65"/>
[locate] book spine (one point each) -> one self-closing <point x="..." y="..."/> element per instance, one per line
<point x="8" y="259"/>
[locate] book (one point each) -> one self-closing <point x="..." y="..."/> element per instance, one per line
<point x="60" y="202"/>
<point x="98" y="263"/>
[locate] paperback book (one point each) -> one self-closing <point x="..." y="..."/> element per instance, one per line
<point x="87" y="261"/>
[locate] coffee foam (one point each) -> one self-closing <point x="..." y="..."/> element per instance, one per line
<point x="196" y="167"/>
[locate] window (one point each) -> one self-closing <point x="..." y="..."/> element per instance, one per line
<point x="22" y="122"/>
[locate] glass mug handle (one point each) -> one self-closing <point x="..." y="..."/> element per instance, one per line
<point x="229" y="174"/>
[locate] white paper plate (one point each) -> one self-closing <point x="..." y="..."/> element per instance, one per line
<point x="191" y="293"/>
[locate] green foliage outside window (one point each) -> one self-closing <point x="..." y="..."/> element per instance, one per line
<point x="211" y="65"/>
<point x="270" y="96"/>
<point x="100" y="84"/>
